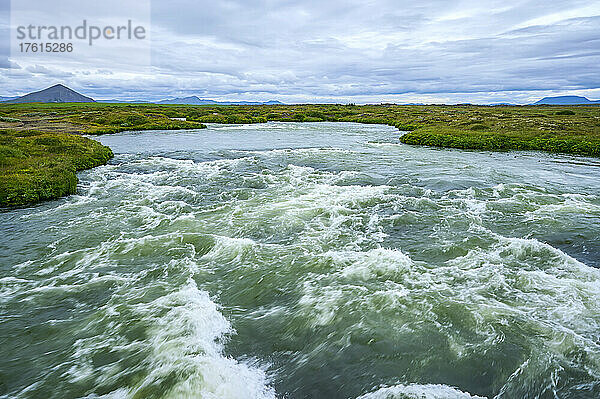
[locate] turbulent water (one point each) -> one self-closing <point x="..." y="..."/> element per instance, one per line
<point x="319" y="260"/>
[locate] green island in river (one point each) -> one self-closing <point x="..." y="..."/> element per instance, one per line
<point x="42" y="146"/>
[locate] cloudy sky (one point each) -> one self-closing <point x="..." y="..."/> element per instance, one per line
<point x="430" y="51"/>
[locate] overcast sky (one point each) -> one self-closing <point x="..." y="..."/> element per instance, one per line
<point x="431" y="51"/>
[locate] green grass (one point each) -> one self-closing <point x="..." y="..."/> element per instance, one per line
<point x="37" y="166"/>
<point x="10" y="120"/>
<point x="43" y="171"/>
<point x="490" y="141"/>
<point x="114" y="120"/>
<point x="41" y="146"/>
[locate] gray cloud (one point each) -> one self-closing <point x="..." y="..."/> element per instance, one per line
<point x="362" y="51"/>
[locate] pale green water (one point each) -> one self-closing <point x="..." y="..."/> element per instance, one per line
<point x="305" y="261"/>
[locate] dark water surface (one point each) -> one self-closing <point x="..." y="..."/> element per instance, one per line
<point x="316" y="260"/>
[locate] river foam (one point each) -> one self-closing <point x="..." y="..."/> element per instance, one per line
<point x="415" y="391"/>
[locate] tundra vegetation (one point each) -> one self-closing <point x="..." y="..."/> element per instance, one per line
<point x="41" y="145"/>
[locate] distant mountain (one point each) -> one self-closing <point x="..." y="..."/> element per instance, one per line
<point x="62" y="94"/>
<point x="566" y="100"/>
<point x="113" y="101"/>
<point x="55" y="94"/>
<point x="191" y="100"/>
<point x="194" y="100"/>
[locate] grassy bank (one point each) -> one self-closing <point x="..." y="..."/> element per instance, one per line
<point x="37" y="166"/>
<point x="41" y="147"/>
<point x="39" y="153"/>
<point x="503" y="141"/>
<point x="90" y="118"/>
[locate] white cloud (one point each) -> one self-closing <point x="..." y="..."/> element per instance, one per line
<point x="353" y="51"/>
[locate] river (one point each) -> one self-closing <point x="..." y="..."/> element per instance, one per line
<point x="315" y="260"/>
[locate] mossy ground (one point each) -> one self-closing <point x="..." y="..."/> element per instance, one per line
<point x="38" y="157"/>
<point x="41" y="146"/>
<point x="576" y="144"/>
<point x="37" y="166"/>
<point x="89" y="118"/>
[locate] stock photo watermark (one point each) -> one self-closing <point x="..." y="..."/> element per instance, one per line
<point x="48" y="37"/>
<point x="79" y="34"/>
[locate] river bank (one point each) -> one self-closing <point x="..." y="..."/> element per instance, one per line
<point x="37" y="166"/>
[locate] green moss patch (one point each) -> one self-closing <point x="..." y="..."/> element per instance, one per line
<point x="39" y="166"/>
<point x="500" y="141"/>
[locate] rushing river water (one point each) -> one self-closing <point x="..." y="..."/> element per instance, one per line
<point x="317" y="260"/>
